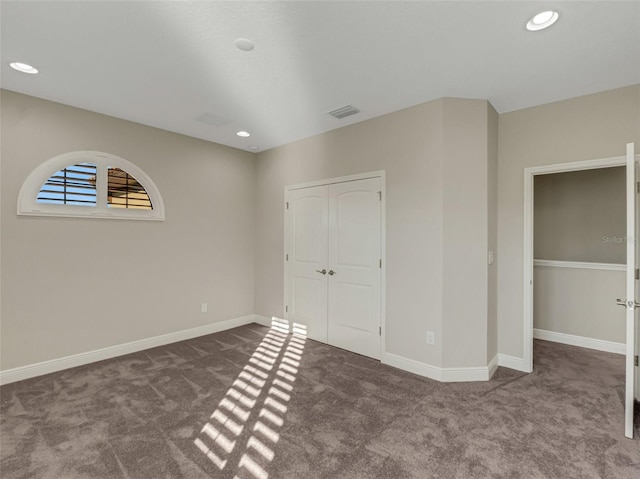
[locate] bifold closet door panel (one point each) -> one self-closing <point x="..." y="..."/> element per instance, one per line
<point x="307" y="234"/>
<point x="354" y="276"/>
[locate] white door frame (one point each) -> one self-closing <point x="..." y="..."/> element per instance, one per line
<point x="383" y="233"/>
<point x="631" y="315"/>
<point x="529" y="173"/>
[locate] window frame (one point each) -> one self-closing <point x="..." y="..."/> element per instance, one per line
<point x="29" y="206"/>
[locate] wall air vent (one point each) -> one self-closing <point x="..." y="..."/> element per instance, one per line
<point x="344" y="111"/>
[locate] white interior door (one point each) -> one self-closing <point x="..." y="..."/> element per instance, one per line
<point x="306" y="248"/>
<point x="333" y="247"/>
<point x="355" y="266"/>
<point x="633" y="298"/>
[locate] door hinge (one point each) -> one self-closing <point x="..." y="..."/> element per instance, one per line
<point x="286" y="309"/>
<point x="380" y="332"/>
<point x="287" y="204"/>
<point x="638" y="187"/>
<point x="637" y="273"/>
<point x="380" y="263"/>
<point x="635" y="361"/>
<point x="380" y="195"/>
<point x="287" y="257"/>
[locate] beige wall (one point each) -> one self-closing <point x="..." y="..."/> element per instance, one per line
<point x="465" y="233"/>
<point x="584" y="128"/>
<point x="435" y="158"/>
<point x="408" y="145"/>
<point x="592" y="314"/>
<point x="492" y="186"/>
<point x="575" y="211"/>
<point x="76" y="285"/>
<point x="134" y="280"/>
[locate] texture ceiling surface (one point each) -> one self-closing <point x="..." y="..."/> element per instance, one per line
<point x="174" y="65"/>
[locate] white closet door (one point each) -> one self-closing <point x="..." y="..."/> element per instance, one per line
<point x="354" y="266"/>
<point x="307" y="231"/>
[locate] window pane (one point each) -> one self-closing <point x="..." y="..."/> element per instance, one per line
<point x="74" y="185"/>
<point x="124" y="191"/>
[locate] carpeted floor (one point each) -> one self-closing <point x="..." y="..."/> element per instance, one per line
<point x="254" y="403"/>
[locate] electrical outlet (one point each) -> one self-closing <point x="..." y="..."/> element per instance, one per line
<point x="203" y="307"/>
<point x="431" y="338"/>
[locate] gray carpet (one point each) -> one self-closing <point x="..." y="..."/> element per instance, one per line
<point x="253" y="403"/>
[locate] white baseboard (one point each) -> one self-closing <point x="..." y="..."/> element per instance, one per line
<point x="412" y="366"/>
<point x="482" y="373"/>
<point x="447" y="375"/>
<point x="459" y="375"/>
<point x="570" y="339"/>
<point x="46" y="367"/>
<point x="511" y="362"/>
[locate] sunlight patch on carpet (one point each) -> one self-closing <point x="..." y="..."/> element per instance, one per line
<point x="262" y="390"/>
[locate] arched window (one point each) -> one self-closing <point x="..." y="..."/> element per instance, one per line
<point x="90" y="184"/>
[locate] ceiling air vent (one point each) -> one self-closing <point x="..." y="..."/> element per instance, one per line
<point x="214" y="120"/>
<point x="344" y="111"/>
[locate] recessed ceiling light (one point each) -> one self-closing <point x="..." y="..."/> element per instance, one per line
<point x="244" y="44"/>
<point x="243" y="134"/>
<point x="23" y="67"/>
<point x="542" y="20"/>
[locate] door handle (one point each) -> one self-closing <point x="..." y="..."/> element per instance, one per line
<point x="628" y="304"/>
<point x="324" y="271"/>
<point x="332" y="272"/>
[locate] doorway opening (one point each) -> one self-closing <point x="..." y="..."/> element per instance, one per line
<point x="580" y="258"/>
<point x="530" y="175"/>
<point x="631" y="269"/>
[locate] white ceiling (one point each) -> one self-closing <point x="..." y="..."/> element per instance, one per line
<point x="166" y="64"/>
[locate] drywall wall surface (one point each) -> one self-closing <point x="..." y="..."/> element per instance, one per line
<point x="492" y="225"/>
<point x="465" y="233"/>
<point x="594" y="314"/>
<point x="73" y="285"/>
<point x="584" y="128"/>
<point x="408" y="146"/>
<point x="581" y="216"/>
